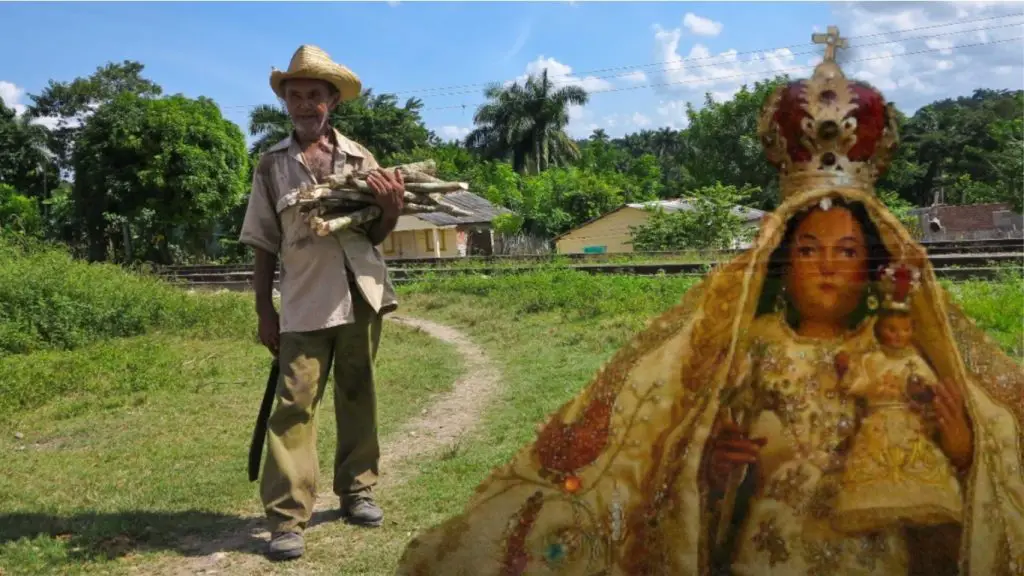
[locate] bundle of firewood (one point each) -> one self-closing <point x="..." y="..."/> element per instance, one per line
<point x="345" y="201"/>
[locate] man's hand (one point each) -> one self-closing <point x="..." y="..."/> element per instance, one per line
<point x="389" y="190"/>
<point x="270" y="330"/>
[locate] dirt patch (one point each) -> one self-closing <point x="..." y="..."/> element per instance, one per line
<point x="438" y="428"/>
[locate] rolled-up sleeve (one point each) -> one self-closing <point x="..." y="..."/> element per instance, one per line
<point x="261" y="227"/>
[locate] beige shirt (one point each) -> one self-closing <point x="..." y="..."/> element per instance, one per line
<point x="315" y="270"/>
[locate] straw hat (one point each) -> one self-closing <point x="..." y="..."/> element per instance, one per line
<point x="313" y="63"/>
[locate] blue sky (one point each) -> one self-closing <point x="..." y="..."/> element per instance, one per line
<point x="225" y="50"/>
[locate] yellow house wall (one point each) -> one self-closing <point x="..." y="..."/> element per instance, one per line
<point x="419" y="244"/>
<point x="611" y="231"/>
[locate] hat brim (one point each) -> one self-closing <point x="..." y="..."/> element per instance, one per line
<point x="348" y="85"/>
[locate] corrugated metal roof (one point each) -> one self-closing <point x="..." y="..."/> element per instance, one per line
<point x="481" y="211"/>
<point x="748" y="214"/>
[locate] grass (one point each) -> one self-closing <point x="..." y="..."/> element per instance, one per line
<point x="122" y="440"/>
<point x="131" y="445"/>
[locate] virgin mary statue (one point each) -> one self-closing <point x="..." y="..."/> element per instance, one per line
<point x="716" y="441"/>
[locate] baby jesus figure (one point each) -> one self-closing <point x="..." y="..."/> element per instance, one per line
<point x="895" y="473"/>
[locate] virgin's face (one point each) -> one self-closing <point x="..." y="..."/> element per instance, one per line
<point x="828" y="266"/>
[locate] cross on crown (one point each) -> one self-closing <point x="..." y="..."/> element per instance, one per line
<point x="832" y="40"/>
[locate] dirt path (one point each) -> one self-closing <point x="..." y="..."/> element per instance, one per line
<point x="439" y="427"/>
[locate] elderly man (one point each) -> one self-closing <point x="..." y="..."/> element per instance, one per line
<point x="334" y="292"/>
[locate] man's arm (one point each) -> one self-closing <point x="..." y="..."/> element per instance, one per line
<point x="263" y="280"/>
<point x="380" y="228"/>
<point x="389" y="190"/>
<point x="261" y="230"/>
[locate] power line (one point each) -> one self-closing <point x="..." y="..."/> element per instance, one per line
<point x="744" y="53"/>
<point x="731" y="77"/>
<point x="713" y="64"/>
<point x="461" y="89"/>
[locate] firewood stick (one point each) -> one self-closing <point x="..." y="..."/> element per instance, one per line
<point x="414" y="187"/>
<point x="326" y="227"/>
<point x="426" y="168"/>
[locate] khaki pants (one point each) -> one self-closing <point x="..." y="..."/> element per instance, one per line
<point x="289" y="485"/>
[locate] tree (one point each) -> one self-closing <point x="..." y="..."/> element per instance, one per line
<point x="710" y="223"/>
<point x="375" y="121"/>
<point x="560" y="199"/>
<point x="380" y="124"/>
<point x="968" y="147"/>
<point x="269" y="125"/>
<point x="525" y="123"/>
<point x="70" y="103"/>
<point x="720" y="145"/>
<point x="25" y="162"/>
<point x="155" y="175"/>
<point x="18" y="213"/>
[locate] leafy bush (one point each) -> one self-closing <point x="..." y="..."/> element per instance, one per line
<point x="50" y="301"/>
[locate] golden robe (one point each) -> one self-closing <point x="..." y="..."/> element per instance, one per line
<point x="614" y="483"/>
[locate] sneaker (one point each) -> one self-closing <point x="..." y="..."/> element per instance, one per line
<point x="285" y="546"/>
<point x="360" y="509"/>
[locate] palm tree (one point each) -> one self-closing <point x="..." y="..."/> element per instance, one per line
<point x="270" y="124"/>
<point x="527" y="124"/>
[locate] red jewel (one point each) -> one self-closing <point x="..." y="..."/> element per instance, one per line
<point x="572" y="484"/>
<point x="871" y="116"/>
<point x="789" y="116"/>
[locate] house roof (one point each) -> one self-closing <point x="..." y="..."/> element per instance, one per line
<point x="480" y="210"/>
<point x="679" y="204"/>
<point x="675" y="205"/>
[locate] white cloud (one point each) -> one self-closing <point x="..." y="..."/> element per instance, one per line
<point x="561" y="75"/>
<point x="454" y="132"/>
<point x="637" y="77"/>
<point x="672" y="113"/>
<point x="640" y="120"/>
<point x="701" y="26"/>
<point x="11" y="95"/>
<point x="581" y="121"/>
<point x="913" y="68"/>
<point x="699" y="71"/>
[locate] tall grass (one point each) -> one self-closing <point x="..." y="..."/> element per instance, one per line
<point x="48" y="300"/>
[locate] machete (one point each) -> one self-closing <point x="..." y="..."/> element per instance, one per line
<point x="259" y="433"/>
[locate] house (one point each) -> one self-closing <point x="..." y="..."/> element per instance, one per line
<point x="968" y="222"/>
<point x="442" y="235"/>
<point x="610" y="233"/>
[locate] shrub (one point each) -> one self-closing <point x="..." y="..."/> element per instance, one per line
<point x="48" y="300"/>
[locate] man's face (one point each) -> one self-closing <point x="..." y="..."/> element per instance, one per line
<point x="309" y="103"/>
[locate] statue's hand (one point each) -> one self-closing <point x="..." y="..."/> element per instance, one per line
<point x="730" y="449"/>
<point x="955" y="436"/>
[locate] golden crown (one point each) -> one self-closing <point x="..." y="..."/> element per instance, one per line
<point x="827" y="131"/>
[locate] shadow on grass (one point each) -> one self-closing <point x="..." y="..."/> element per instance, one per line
<point x="94" y="536"/>
<point x="97" y="536"/>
